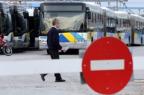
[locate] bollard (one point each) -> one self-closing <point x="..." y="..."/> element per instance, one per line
<point x="81" y="54"/>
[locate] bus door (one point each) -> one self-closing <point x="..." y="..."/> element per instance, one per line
<point x="19" y="20"/>
<point x="110" y="27"/>
<point x="137" y="33"/>
<point x="34" y="27"/>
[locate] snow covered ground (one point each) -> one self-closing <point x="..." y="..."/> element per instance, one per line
<point x="33" y="85"/>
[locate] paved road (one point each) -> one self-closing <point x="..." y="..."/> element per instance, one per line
<point x="32" y="84"/>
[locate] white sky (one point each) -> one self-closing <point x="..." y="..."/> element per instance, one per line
<point x="135" y="0"/>
<point x="135" y="3"/>
<point x="130" y="3"/>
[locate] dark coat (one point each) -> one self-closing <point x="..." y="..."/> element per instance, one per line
<point x="53" y="39"/>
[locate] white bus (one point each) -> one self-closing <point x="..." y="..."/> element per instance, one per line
<point x="137" y="24"/>
<point x="77" y="20"/>
<point x="123" y="26"/>
<point x="110" y="22"/>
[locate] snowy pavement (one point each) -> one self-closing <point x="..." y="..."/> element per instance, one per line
<point x="32" y="84"/>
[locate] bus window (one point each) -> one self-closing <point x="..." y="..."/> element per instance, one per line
<point x="125" y="23"/>
<point x="103" y="19"/>
<point x="92" y="18"/>
<point x="68" y="20"/>
<point x="88" y="13"/>
<point x="26" y="15"/>
<point x="95" y="18"/>
<point x="36" y="21"/>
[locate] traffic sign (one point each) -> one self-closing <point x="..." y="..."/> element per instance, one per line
<point x="107" y="65"/>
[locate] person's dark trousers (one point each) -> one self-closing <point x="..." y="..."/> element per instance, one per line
<point x="55" y="55"/>
<point x="43" y="76"/>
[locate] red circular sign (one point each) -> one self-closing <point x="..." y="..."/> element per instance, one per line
<point x="107" y="65"/>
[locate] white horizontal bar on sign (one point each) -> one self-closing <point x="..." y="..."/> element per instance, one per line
<point x="116" y="64"/>
<point x="40" y="66"/>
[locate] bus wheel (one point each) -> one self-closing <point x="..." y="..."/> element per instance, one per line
<point x="7" y="50"/>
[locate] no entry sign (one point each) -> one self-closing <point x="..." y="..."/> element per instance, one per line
<point x="107" y="65"/>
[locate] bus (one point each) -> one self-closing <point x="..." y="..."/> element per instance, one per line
<point x="20" y="27"/>
<point x="109" y="22"/>
<point x="79" y="21"/>
<point x="137" y="23"/>
<point x="123" y="26"/>
<point x="96" y="21"/>
<point x="32" y="22"/>
<point x="80" y="24"/>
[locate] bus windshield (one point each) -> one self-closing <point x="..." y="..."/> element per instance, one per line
<point x="5" y="23"/>
<point x="111" y="22"/>
<point x="19" y="22"/>
<point x="69" y="21"/>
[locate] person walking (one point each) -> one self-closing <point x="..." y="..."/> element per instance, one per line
<point x="54" y="47"/>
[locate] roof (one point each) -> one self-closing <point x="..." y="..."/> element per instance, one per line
<point x="122" y="15"/>
<point x="109" y="12"/>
